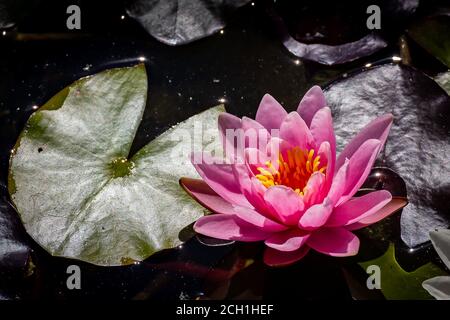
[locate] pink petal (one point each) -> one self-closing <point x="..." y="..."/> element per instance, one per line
<point x="289" y="240"/>
<point x="284" y="203"/>
<point x="275" y="147"/>
<point x="316" y="216"/>
<point x="359" y="168"/>
<point x="250" y="187"/>
<point x="255" y="135"/>
<point x="394" y="205"/>
<point x="276" y="258"/>
<point x="295" y="131"/>
<point x="206" y="196"/>
<point x="336" y="242"/>
<point x="220" y="177"/>
<point x="337" y="188"/>
<point x="314" y="189"/>
<point x="312" y="102"/>
<point x="358" y="208"/>
<point x="258" y="220"/>
<point x="229" y="227"/>
<point x="377" y="129"/>
<point x="322" y="128"/>
<point x="327" y="158"/>
<point x="229" y="126"/>
<point x="254" y="159"/>
<point x="270" y="113"/>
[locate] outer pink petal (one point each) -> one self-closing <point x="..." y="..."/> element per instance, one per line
<point x="258" y="220"/>
<point x="358" y="208"/>
<point x="322" y="128"/>
<point x="285" y="204"/>
<point x="314" y="189"/>
<point x="276" y="258"/>
<point x="316" y="216"/>
<point x="359" y="167"/>
<point x="289" y="240"/>
<point x="220" y="177"/>
<point x="295" y="131"/>
<point x="312" y="102"/>
<point x="336" y="242"/>
<point x="394" y="205"/>
<point x="207" y="197"/>
<point x="231" y="124"/>
<point x="229" y="227"/>
<point x="377" y="129"/>
<point x="270" y="113"/>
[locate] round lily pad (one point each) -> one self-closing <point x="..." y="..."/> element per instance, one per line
<point x="78" y="191"/>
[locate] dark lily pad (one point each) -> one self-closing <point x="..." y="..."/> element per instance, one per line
<point x="336" y="33"/>
<point x="176" y="22"/>
<point x="419" y="142"/>
<point x="14" y="250"/>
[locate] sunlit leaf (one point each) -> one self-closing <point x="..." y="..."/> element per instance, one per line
<point x="79" y="192"/>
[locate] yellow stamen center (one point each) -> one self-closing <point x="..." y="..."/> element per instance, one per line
<point x="293" y="170"/>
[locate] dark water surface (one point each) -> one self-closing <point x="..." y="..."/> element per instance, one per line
<point x="236" y="67"/>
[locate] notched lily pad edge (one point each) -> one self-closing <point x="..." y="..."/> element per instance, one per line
<point x="55" y="102"/>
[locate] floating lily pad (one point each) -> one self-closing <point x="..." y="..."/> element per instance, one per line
<point x="419" y="141"/>
<point x="337" y="33"/>
<point x="14" y="249"/>
<point x="176" y="22"/>
<point x="432" y="33"/>
<point x="396" y="283"/>
<point x="79" y="192"/>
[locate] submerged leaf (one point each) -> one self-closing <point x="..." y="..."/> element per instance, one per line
<point x="396" y="283"/>
<point x="78" y="191"/>
<point x="419" y="141"/>
<point x="176" y="22"/>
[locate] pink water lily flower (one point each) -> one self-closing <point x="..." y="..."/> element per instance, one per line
<point x="289" y="190"/>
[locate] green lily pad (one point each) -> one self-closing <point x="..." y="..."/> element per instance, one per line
<point x="78" y="191"/>
<point x="396" y="283"/>
<point x="432" y="34"/>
